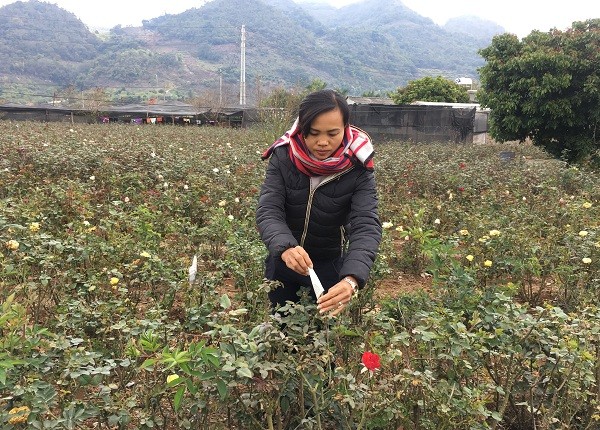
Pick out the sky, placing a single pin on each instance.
(516, 16)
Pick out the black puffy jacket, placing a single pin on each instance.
(342, 207)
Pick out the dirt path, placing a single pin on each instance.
(401, 283)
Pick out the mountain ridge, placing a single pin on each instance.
(373, 46)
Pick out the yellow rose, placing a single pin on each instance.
(587, 205)
(144, 254)
(19, 419)
(494, 233)
(586, 260)
(114, 281)
(20, 415)
(12, 244)
(488, 263)
(583, 233)
(470, 257)
(34, 226)
(464, 232)
(172, 377)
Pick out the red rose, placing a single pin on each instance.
(371, 360)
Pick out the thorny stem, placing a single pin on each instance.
(301, 400)
(591, 422)
(363, 416)
(250, 415)
(510, 378)
(313, 393)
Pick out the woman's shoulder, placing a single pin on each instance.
(280, 152)
(359, 170)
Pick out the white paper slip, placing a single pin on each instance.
(316, 283)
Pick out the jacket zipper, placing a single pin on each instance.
(309, 204)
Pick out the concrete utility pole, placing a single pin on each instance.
(243, 69)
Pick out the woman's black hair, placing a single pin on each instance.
(318, 102)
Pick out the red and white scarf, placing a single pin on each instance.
(356, 148)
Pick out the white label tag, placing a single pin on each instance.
(316, 283)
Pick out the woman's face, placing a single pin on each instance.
(326, 134)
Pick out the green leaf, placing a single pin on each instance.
(225, 301)
(244, 372)
(222, 388)
(208, 375)
(179, 397)
(213, 360)
(149, 363)
(496, 416)
(348, 332)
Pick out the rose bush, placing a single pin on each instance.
(100, 326)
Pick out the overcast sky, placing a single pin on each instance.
(516, 16)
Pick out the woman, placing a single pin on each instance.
(318, 205)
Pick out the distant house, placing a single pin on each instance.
(466, 82)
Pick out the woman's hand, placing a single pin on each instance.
(336, 299)
(297, 259)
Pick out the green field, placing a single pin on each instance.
(483, 303)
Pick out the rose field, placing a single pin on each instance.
(481, 311)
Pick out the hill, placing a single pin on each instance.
(474, 27)
(376, 45)
(42, 41)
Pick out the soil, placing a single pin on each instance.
(401, 283)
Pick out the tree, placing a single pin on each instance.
(315, 85)
(95, 99)
(428, 89)
(290, 100)
(280, 108)
(282, 99)
(546, 87)
(371, 93)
